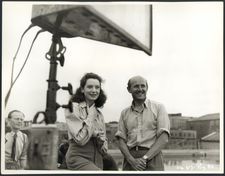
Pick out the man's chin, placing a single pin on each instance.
(140, 98)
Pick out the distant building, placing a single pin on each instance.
(210, 141)
(62, 129)
(205, 125)
(62, 126)
(111, 129)
(27, 123)
(177, 121)
(182, 139)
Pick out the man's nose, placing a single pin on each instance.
(140, 88)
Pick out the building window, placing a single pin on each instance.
(189, 134)
(217, 122)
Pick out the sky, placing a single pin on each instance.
(185, 71)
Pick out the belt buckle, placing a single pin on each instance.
(136, 148)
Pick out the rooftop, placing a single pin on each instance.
(214, 116)
(214, 136)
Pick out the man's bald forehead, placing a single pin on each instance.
(136, 78)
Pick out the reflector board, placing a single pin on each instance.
(125, 25)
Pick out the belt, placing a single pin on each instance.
(139, 148)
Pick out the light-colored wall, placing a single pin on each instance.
(209, 145)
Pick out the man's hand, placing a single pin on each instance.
(138, 164)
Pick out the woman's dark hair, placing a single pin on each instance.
(79, 96)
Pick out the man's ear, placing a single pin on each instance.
(128, 89)
(147, 85)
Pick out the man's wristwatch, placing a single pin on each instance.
(145, 157)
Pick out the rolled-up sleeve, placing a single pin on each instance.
(80, 130)
(163, 122)
(122, 131)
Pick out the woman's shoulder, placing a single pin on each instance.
(100, 114)
(75, 108)
(77, 105)
(99, 111)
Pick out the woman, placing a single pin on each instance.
(86, 127)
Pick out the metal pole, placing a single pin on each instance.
(51, 104)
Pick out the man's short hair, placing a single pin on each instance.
(11, 112)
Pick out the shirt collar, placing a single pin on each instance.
(145, 104)
(83, 104)
(13, 133)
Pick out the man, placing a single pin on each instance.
(16, 142)
(143, 130)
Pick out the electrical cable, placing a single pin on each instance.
(13, 82)
(42, 30)
(14, 58)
